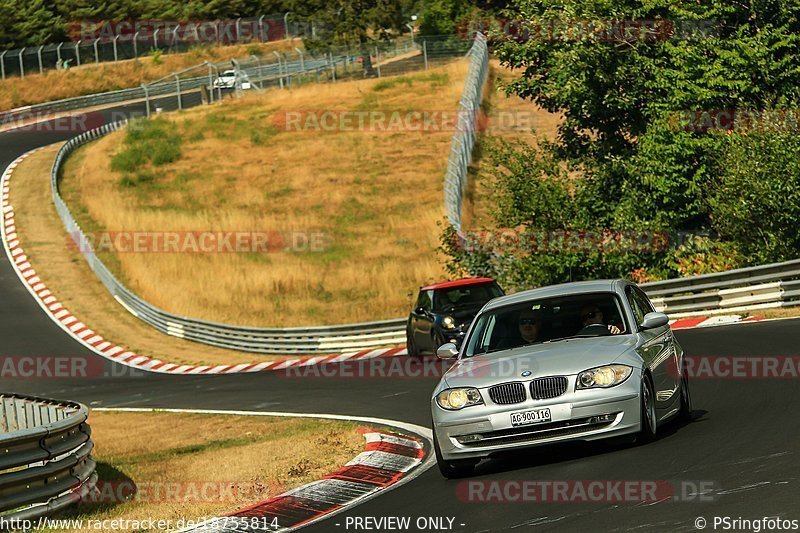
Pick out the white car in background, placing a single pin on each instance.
(227, 80)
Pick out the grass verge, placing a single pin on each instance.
(62, 268)
(191, 465)
(374, 196)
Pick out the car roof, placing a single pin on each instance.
(563, 289)
(457, 283)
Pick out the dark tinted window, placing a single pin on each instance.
(445, 300)
(424, 300)
(552, 318)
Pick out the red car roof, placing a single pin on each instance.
(457, 283)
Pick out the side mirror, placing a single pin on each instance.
(420, 311)
(447, 351)
(654, 320)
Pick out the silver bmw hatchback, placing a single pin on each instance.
(579, 361)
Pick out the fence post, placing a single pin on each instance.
(96, 52)
(302, 62)
(377, 61)
(155, 38)
(21, 64)
(425, 53)
(287, 34)
(78, 51)
(332, 67)
(261, 28)
(3, 64)
(116, 55)
(260, 74)
(39, 55)
(58, 52)
(210, 84)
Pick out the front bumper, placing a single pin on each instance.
(586, 415)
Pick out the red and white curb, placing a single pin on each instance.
(389, 459)
(705, 322)
(108, 349)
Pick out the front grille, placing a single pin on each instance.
(507, 393)
(544, 388)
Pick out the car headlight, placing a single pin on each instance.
(448, 322)
(455, 399)
(603, 377)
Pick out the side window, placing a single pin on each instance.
(644, 301)
(638, 312)
(424, 300)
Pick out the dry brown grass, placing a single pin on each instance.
(94, 78)
(261, 456)
(781, 312)
(377, 195)
(510, 118)
(67, 275)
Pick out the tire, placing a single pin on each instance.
(685, 413)
(649, 419)
(452, 469)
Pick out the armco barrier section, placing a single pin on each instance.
(47, 464)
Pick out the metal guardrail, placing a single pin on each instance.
(47, 464)
(455, 181)
(742, 289)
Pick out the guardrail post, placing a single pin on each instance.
(146, 100)
(280, 70)
(3, 64)
(116, 55)
(21, 64)
(178, 87)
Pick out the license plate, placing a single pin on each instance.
(525, 418)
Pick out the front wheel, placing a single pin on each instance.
(649, 419)
(452, 469)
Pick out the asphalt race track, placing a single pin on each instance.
(744, 440)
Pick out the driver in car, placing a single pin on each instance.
(592, 315)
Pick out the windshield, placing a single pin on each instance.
(446, 300)
(546, 320)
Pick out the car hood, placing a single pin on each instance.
(561, 358)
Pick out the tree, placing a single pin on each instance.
(350, 23)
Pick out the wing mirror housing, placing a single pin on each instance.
(654, 320)
(447, 351)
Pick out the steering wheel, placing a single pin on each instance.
(594, 330)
